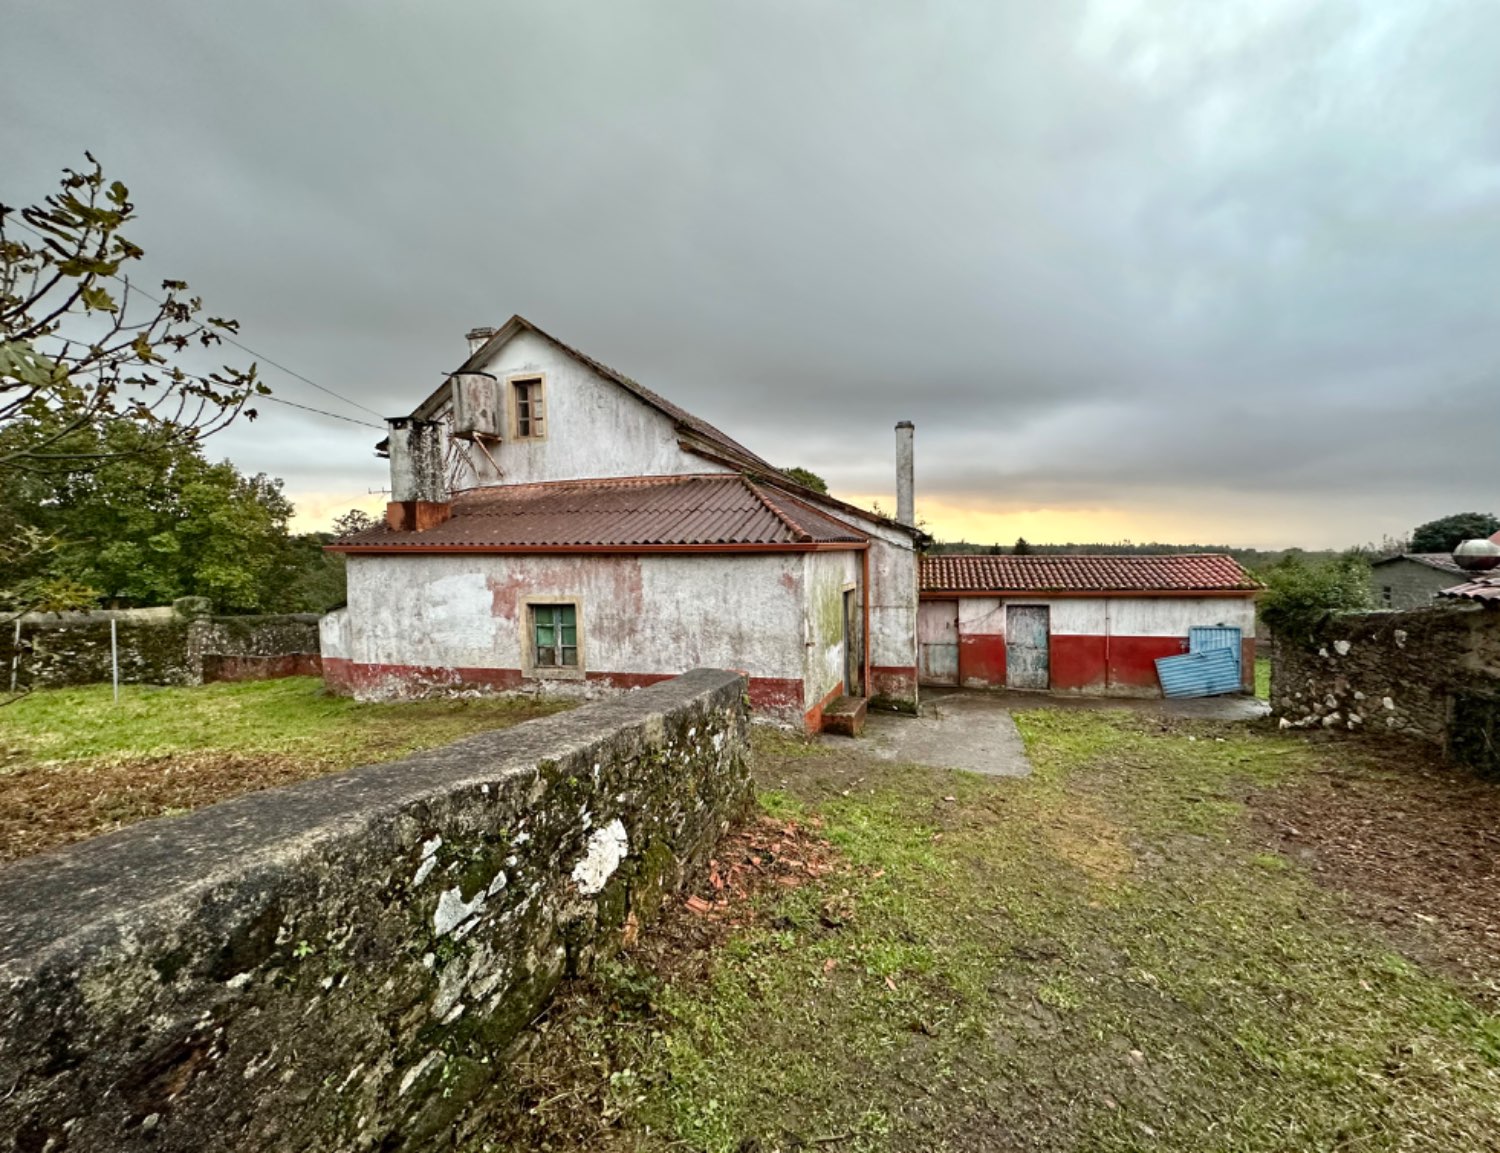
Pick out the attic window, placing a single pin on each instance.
(529, 408)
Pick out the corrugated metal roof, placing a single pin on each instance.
(1485, 590)
(1180, 572)
(702, 511)
(1439, 560)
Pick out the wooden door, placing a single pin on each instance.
(1027, 639)
(937, 642)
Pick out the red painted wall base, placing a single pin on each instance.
(1124, 666)
(780, 696)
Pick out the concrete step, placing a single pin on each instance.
(846, 716)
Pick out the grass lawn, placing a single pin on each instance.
(1165, 939)
(73, 763)
(1263, 678)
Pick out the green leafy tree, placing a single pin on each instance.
(1446, 533)
(1300, 596)
(351, 522)
(807, 479)
(1021, 548)
(151, 521)
(81, 348)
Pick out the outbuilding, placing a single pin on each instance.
(1092, 625)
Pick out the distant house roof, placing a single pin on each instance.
(712, 512)
(1437, 560)
(1183, 572)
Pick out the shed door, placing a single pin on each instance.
(1027, 629)
(937, 642)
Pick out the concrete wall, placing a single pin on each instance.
(420, 622)
(1432, 674)
(158, 646)
(594, 427)
(1408, 584)
(1099, 645)
(343, 964)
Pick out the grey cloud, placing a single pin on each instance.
(1127, 253)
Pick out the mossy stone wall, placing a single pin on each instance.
(1429, 674)
(344, 964)
(157, 647)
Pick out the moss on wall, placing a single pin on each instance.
(344, 964)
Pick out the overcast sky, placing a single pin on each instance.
(1219, 271)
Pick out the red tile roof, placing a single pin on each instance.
(698, 511)
(1181, 572)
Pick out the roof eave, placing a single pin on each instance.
(603, 549)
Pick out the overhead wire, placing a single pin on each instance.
(133, 287)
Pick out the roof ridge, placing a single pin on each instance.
(776, 510)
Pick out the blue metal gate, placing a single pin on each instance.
(1205, 674)
(1202, 638)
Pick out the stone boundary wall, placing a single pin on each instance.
(159, 646)
(342, 964)
(1422, 673)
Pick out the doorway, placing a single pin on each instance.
(854, 644)
(937, 642)
(1028, 631)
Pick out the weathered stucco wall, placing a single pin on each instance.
(1432, 674)
(1099, 645)
(594, 427)
(415, 623)
(158, 646)
(342, 964)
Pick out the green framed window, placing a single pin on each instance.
(554, 636)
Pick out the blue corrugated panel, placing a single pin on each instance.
(1202, 638)
(1205, 674)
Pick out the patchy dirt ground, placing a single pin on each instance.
(1412, 843)
(1128, 950)
(74, 763)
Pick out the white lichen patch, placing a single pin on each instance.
(430, 847)
(453, 911)
(424, 870)
(496, 885)
(426, 1063)
(606, 849)
(1341, 647)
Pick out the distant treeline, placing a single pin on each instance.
(1251, 558)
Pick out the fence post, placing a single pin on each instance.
(114, 658)
(15, 658)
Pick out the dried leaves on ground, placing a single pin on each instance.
(1414, 843)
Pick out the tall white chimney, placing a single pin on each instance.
(906, 511)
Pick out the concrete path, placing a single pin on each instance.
(969, 731)
(974, 731)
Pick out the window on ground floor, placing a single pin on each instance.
(554, 636)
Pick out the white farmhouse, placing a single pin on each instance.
(554, 524)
